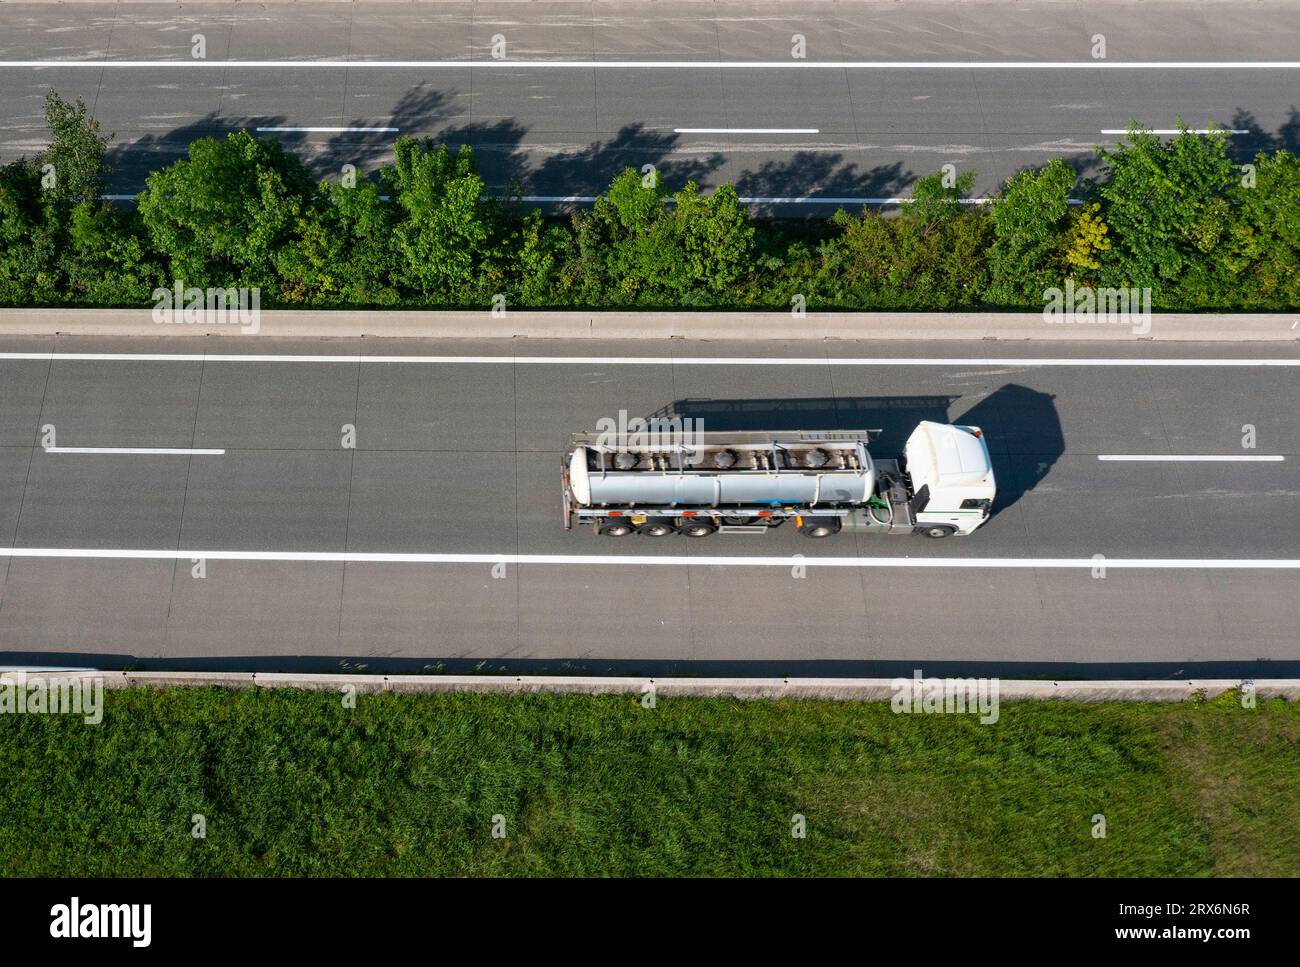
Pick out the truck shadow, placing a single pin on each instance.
(1025, 438)
(1023, 428)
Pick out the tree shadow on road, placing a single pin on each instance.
(1256, 139)
(132, 162)
(824, 174)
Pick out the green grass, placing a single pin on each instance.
(293, 783)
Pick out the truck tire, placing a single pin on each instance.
(696, 528)
(615, 528)
(820, 526)
(937, 531)
(656, 528)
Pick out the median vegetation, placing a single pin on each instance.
(278, 783)
(1176, 216)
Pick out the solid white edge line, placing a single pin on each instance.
(352, 358)
(1189, 458)
(361, 557)
(744, 200)
(588, 199)
(669, 64)
(813, 200)
(1177, 131)
(165, 451)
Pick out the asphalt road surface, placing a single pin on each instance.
(436, 541)
(796, 128)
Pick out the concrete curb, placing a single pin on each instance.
(420, 3)
(837, 689)
(876, 326)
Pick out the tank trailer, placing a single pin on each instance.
(699, 484)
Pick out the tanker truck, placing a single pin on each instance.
(655, 483)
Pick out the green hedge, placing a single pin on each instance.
(1177, 217)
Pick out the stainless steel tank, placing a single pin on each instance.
(595, 487)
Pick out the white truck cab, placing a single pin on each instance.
(952, 478)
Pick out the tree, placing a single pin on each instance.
(618, 257)
(1029, 218)
(1263, 244)
(714, 238)
(342, 250)
(108, 262)
(640, 245)
(220, 217)
(42, 198)
(443, 238)
(935, 203)
(541, 250)
(905, 262)
(77, 157)
(1086, 241)
(26, 271)
(1163, 204)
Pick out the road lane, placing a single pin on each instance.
(1037, 417)
(658, 621)
(566, 129)
(461, 459)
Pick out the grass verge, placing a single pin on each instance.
(294, 783)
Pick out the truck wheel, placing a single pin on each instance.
(937, 531)
(696, 528)
(615, 528)
(655, 528)
(820, 526)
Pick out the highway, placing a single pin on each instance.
(435, 540)
(882, 94)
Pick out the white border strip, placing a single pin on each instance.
(353, 359)
(1178, 131)
(658, 560)
(1188, 458)
(815, 200)
(330, 130)
(165, 451)
(548, 199)
(664, 64)
(842, 689)
(743, 199)
(747, 131)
